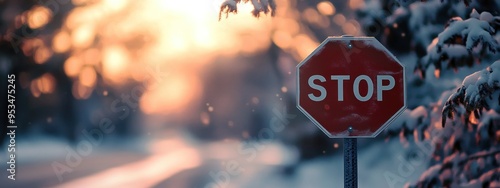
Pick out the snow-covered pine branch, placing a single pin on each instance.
(468, 154)
(410, 123)
(476, 93)
(407, 2)
(407, 25)
(264, 6)
(462, 42)
(458, 169)
(490, 178)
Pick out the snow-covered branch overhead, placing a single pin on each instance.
(475, 93)
(463, 42)
(264, 6)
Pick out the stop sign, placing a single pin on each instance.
(351, 87)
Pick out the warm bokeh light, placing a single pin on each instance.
(72, 66)
(284, 89)
(88, 77)
(115, 60)
(308, 45)
(351, 28)
(339, 19)
(30, 45)
(204, 118)
(326, 8)
(79, 2)
(83, 36)
(61, 42)
(42, 54)
(80, 91)
(172, 95)
(92, 56)
(38, 17)
(282, 39)
(36, 47)
(45, 84)
(356, 4)
(295, 37)
(121, 39)
(437, 73)
(312, 16)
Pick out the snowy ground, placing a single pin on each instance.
(373, 162)
(180, 161)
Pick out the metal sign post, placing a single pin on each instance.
(350, 163)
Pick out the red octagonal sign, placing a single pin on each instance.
(351, 87)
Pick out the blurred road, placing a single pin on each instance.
(180, 161)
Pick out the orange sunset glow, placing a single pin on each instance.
(120, 40)
(117, 39)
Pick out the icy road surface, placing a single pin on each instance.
(180, 161)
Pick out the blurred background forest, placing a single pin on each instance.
(198, 98)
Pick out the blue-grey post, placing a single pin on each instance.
(350, 163)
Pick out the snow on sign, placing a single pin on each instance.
(351, 87)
